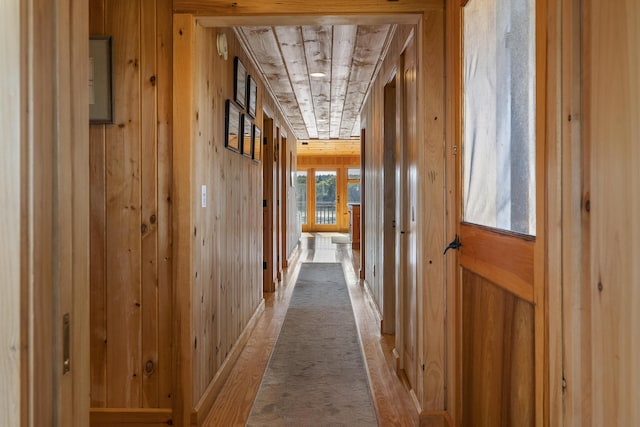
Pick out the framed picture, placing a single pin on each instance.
(257, 144)
(252, 95)
(100, 80)
(233, 121)
(240, 82)
(246, 137)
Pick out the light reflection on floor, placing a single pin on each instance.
(321, 248)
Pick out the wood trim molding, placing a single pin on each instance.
(182, 215)
(204, 405)
(125, 416)
(506, 259)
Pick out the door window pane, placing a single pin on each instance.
(353, 192)
(301, 196)
(499, 114)
(326, 197)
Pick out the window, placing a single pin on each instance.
(353, 186)
(301, 196)
(499, 114)
(326, 197)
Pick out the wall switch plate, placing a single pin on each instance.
(204, 196)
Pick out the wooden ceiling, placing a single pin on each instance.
(319, 74)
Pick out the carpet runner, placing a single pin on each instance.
(316, 375)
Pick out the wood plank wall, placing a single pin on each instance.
(12, 176)
(610, 209)
(227, 234)
(373, 118)
(430, 210)
(131, 164)
(43, 212)
(293, 229)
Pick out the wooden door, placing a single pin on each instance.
(390, 204)
(499, 206)
(409, 198)
(277, 178)
(268, 206)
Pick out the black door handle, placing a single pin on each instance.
(455, 244)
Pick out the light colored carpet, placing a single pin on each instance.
(316, 375)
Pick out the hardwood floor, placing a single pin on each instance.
(393, 404)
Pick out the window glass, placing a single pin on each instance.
(353, 173)
(499, 114)
(301, 196)
(326, 197)
(353, 192)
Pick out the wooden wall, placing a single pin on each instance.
(429, 212)
(603, 305)
(11, 177)
(293, 229)
(131, 259)
(227, 234)
(373, 154)
(43, 212)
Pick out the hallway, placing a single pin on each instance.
(392, 401)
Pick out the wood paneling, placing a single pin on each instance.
(44, 218)
(498, 356)
(130, 164)
(348, 147)
(611, 131)
(507, 259)
(301, 7)
(181, 214)
(294, 228)
(425, 206)
(12, 177)
(226, 269)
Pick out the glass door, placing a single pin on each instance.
(326, 198)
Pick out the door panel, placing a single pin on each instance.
(408, 218)
(502, 337)
(498, 355)
(326, 198)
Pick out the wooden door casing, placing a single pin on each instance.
(501, 285)
(409, 194)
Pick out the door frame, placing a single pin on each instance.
(531, 251)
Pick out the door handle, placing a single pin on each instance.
(455, 244)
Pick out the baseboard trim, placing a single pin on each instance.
(204, 405)
(435, 419)
(134, 417)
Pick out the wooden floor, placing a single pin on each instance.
(393, 404)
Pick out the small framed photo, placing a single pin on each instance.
(233, 121)
(240, 82)
(252, 95)
(246, 137)
(100, 80)
(257, 144)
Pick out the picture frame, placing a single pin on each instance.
(101, 80)
(233, 123)
(247, 149)
(257, 144)
(240, 82)
(252, 96)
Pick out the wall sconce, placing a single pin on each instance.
(223, 49)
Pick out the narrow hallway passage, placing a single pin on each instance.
(392, 402)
